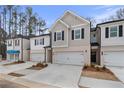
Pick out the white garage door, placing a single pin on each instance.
(114, 58)
(74, 58)
(37, 57)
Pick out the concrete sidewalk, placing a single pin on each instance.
(99, 83)
(118, 71)
(25, 82)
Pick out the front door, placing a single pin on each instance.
(93, 57)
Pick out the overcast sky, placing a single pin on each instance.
(51, 13)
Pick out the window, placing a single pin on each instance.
(36, 42)
(42, 41)
(17, 42)
(58, 35)
(10, 43)
(94, 35)
(113, 31)
(77, 33)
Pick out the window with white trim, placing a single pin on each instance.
(42, 41)
(9, 42)
(59, 35)
(113, 31)
(36, 42)
(77, 34)
(17, 42)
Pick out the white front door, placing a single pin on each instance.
(114, 58)
(74, 58)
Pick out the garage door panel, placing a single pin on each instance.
(114, 58)
(37, 57)
(75, 58)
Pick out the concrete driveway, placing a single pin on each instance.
(16, 67)
(57, 75)
(118, 71)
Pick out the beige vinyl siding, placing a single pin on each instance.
(60, 27)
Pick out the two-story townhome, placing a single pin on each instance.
(95, 46)
(112, 43)
(17, 48)
(71, 40)
(40, 49)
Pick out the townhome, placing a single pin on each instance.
(40, 49)
(112, 43)
(95, 46)
(71, 40)
(17, 48)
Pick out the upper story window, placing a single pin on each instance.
(39, 42)
(36, 42)
(113, 31)
(9, 43)
(77, 34)
(17, 42)
(59, 35)
(42, 41)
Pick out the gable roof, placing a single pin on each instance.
(48, 34)
(59, 20)
(18, 36)
(68, 11)
(110, 22)
(73, 13)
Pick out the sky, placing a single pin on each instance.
(50, 13)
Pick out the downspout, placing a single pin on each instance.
(90, 44)
(51, 48)
(22, 49)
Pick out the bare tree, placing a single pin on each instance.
(92, 20)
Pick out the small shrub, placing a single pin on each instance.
(104, 68)
(97, 68)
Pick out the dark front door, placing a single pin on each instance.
(93, 57)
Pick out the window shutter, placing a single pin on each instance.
(62, 35)
(35, 42)
(120, 30)
(106, 32)
(82, 33)
(54, 36)
(72, 34)
(43, 41)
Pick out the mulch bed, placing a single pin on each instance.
(16, 74)
(99, 73)
(13, 63)
(38, 66)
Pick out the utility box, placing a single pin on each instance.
(0, 57)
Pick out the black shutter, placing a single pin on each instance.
(82, 33)
(54, 36)
(43, 41)
(62, 35)
(35, 42)
(106, 32)
(120, 30)
(72, 34)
